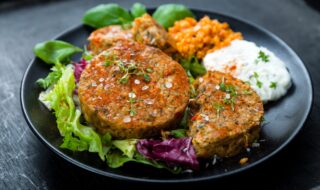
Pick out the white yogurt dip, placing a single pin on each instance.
(257, 66)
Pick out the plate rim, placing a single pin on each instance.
(189, 180)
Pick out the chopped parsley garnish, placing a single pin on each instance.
(259, 84)
(273, 85)
(107, 63)
(262, 57)
(149, 70)
(146, 77)
(231, 100)
(132, 100)
(218, 107)
(246, 92)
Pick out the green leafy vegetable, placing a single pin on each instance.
(185, 118)
(55, 51)
(76, 136)
(124, 151)
(53, 77)
(138, 9)
(179, 133)
(105, 15)
(193, 66)
(168, 14)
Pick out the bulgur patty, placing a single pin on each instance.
(133, 91)
(104, 38)
(226, 115)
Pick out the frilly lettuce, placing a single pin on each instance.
(76, 136)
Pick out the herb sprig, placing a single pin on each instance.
(262, 57)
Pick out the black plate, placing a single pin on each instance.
(285, 117)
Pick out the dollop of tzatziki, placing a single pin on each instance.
(257, 66)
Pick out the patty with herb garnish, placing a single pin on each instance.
(226, 116)
(133, 91)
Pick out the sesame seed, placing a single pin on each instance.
(132, 95)
(168, 84)
(200, 79)
(127, 119)
(217, 87)
(154, 113)
(145, 87)
(205, 117)
(136, 81)
(255, 145)
(101, 79)
(93, 84)
(214, 160)
(148, 101)
(228, 96)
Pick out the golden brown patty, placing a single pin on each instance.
(133, 91)
(104, 38)
(226, 115)
(145, 30)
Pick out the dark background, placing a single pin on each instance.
(25, 163)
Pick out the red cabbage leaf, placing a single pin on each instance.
(172, 151)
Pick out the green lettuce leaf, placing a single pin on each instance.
(55, 51)
(76, 137)
(52, 78)
(138, 9)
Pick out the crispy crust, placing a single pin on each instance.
(105, 101)
(215, 126)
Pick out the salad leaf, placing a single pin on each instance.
(124, 151)
(76, 136)
(105, 15)
(126, 146)
(78, 68)
(168, 14)
(55, 51)
(52, 78)
(179, 133)
(138, 9)
(193, 67)
(172, 151)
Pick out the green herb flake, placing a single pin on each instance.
(255, 75)
(124, 79)
(149, 70)
(263, 56)
(259, 84)
(219, 108)
(107, 63)
(230, 101)
(273, 85)
(247, 92)
(146, 77)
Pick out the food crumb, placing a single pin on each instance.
(243, 160)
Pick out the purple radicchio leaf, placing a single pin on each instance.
(172, 151)
(78, 68)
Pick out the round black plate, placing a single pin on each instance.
(284, 117)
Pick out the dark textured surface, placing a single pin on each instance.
(27, 164)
